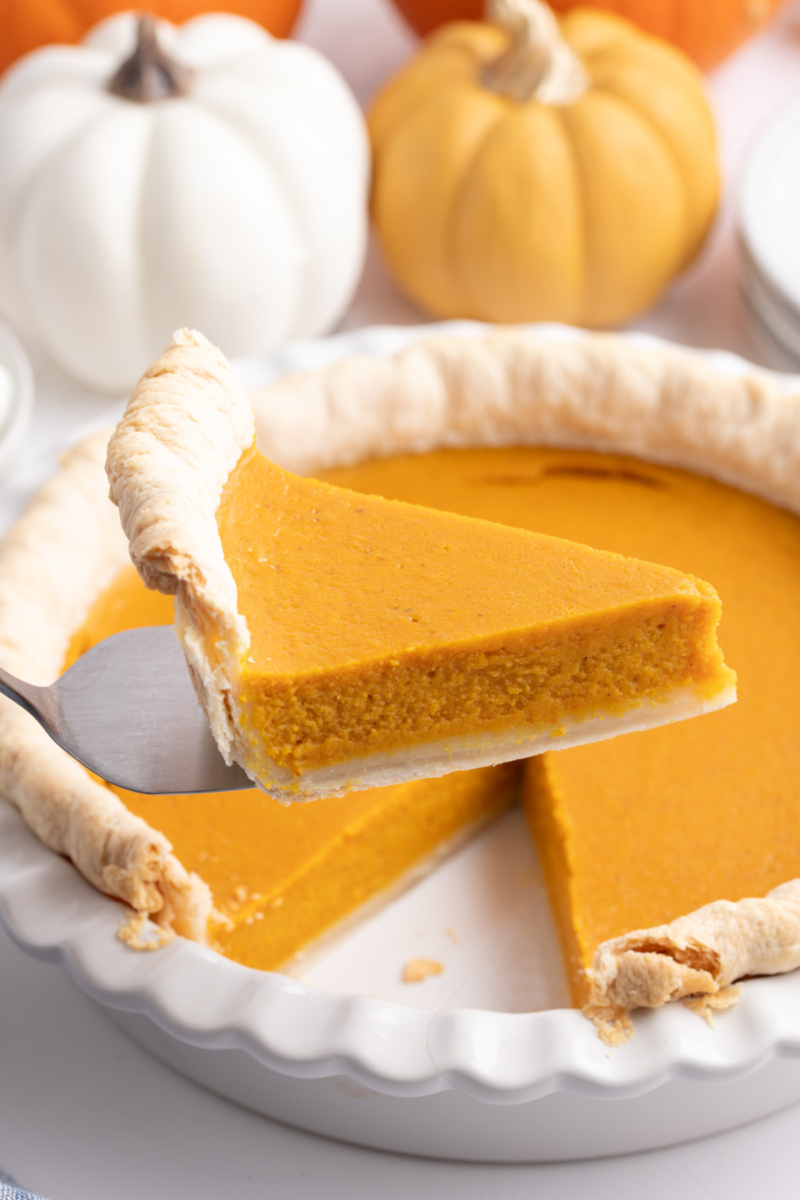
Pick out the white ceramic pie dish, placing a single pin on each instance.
(452, 1081)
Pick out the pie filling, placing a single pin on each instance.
(632, 832)
(635, 832)
(417, 630)
(283, 878)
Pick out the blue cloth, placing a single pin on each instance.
(7, 1192)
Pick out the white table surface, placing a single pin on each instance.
(84, 1113)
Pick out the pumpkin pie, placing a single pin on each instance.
(344, 641)
(489, 399)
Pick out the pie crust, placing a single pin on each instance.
(53, 562)
(699, 955)
(594, 392)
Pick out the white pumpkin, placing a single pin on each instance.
(238, 207)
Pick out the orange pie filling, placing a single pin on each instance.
(378, 626)
(635, 832)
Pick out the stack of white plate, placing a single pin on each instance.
(769, 225)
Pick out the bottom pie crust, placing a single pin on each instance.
(433, 759)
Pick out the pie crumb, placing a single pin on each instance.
(133, 934)
(418, 969)
(613, 1030)
(706, 1006)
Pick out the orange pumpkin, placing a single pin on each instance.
(706, 30)
(27, 24)
(531, 170)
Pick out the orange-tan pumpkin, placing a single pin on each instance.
(528, 171)
(706, 30)
(27, 24)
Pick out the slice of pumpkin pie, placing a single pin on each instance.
(342, 641)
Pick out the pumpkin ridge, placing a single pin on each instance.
(660, 136)
(245, 135)
(437, 112)
(451, 253)
(437, 87)
(684, 75)
(660, 56)
(15, 220)
(469, 37)
(611, 26)
(664, 246)
(146, 282)
(49, 162)
(563, 118)
(437, 91)
(580, 175)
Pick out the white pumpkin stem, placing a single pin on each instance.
(150, 73)
(538, 64)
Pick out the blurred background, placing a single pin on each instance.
(247, 210)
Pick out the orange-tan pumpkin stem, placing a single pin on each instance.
(538, 64)
(150, 73)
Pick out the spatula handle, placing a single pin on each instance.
(38, 701)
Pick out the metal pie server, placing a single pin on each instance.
(127, 710)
